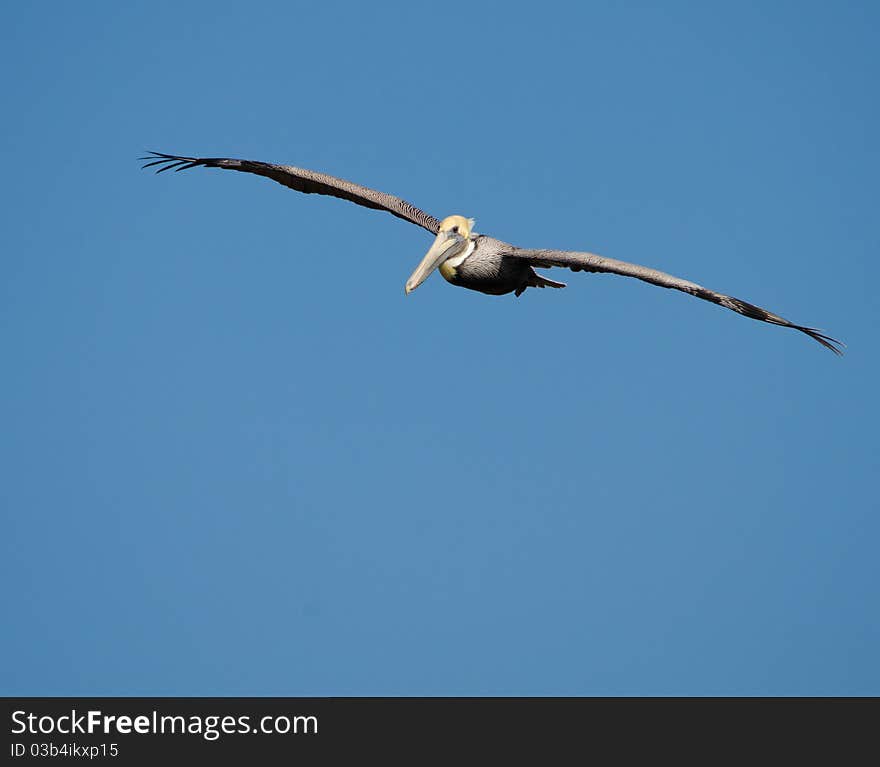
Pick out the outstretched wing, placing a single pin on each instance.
(306, 181)
(589, 262)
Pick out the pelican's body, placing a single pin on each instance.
(472, 260)
(485, 268)
(491, 267)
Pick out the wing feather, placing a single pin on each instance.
(305, 181)
(590, 262)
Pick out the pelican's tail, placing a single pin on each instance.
(538, 281)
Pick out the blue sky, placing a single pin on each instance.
(239, 461)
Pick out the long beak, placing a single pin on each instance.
(445, 246)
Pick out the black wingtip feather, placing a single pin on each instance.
(827, 341)
(169, 161)
(171, 164)
(757, 313)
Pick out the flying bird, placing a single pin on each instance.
(473, 260)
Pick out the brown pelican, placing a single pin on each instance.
(474, 260)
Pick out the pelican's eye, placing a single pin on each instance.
(454, 229)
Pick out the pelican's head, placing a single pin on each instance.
(453, 240)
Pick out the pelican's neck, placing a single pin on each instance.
(448, 267)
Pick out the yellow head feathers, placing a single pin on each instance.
(459, 224)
